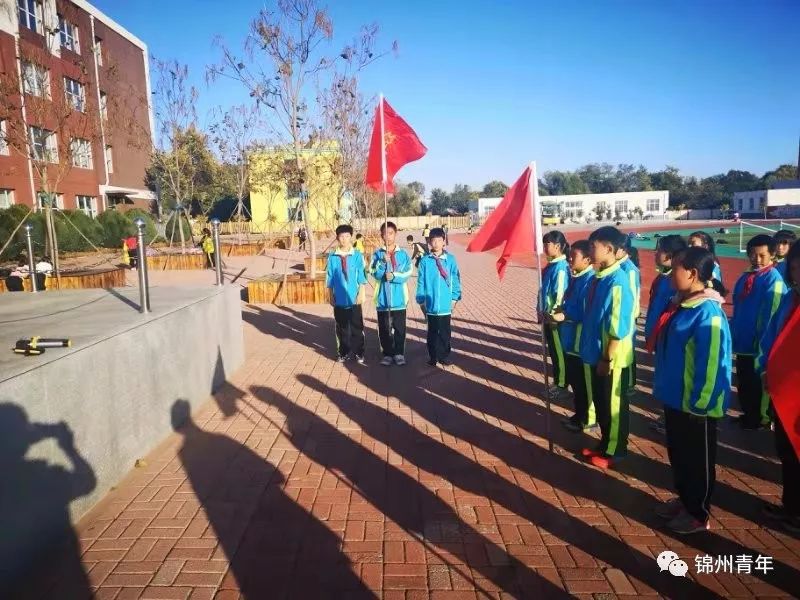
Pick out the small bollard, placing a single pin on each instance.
(217, 250)
(31, 260)
(144, 283)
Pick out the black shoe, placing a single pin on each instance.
(432, 362)
(446, 362)
(360, 360)
(572, 426)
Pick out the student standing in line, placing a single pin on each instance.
(391, 267)
(345, 278)
(571, 316)
(606, 345)
(555, 278)
(788, 513)
(700, 239)
(783, 241)
(438, 291)
(630, 265)
(756, 298)
(692, 380)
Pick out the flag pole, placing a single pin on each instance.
(383, 165)
(537, 232)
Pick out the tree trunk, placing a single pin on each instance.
(178, 218)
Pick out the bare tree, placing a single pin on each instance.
(174, 165)
(284, 55)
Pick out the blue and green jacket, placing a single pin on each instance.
(717, 273)
(661, 292)
(635, 280)
(697, 343)
(574, 299)
(435, 291)
(608, 313)
(753, 309)
(774, 327)
(391, 295)
(780, 266)
(345, 284)
(555, 278)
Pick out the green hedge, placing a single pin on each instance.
(172, 232)
(107, 230)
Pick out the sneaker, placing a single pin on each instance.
(386, 361)
(572, 426)
(589, 452)
(603, 461)
(400, 360)
(341, 359)
(446, 362)
(360, 360)
(432, 362)
(559, 393)
(670, 509)
(685, 524)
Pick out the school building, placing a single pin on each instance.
(626, 205)
(781, 202)
(76, 108)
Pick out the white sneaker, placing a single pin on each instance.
(399, 360)
(386, 361)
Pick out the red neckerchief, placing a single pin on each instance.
(343, 258)
(392, 258)
(664, 319)
(440, 266)
(751, 280)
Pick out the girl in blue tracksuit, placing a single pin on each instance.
(700, 239)
(756, 297)
(662, 290)
(345, 278)
(555, 278)
(692, 380)
(788, 514)
(571, 316)
(391, 267)
(783, 241)
(438, 289)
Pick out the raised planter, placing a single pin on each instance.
(300, 289)
(176, 262)
(80, 280)
(246, 249)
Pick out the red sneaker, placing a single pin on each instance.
(604, 462)
(588, 452)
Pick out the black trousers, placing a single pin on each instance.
(790, 470)
(692, 451)
(556, 351)
(578, 375)
(610, 398)
(392, 331)
(753, 399)
(438, 337)
(349, 330)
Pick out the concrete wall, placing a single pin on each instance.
(113, 392)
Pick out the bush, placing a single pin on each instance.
(116, 227)
(172, 232)
(9, 219)
(150, 231)
(69, 240)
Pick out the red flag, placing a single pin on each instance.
(510, 223)
(783, 378)
(393, 145)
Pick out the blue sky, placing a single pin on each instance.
(490, 86)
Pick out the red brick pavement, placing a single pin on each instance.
(303, 478)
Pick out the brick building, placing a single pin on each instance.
(75, 113)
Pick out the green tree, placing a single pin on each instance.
(633, 179)
(460, 198)
(494, 189)
(418, 188)
(440, 201)
(782, 173)
(404, 202)
(600, 178)
(561, 183)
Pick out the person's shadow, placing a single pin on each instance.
(35, 526)
(275, 548)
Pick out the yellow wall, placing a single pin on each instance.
(269, 199)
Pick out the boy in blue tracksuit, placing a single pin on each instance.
(391, 267)
(783, 241)
(345, 278)
(438, 290)
(693, 363)
(570, 315)
(606, 346)
(788, 513)
(555, 278)
(756, 297)
(625, 256)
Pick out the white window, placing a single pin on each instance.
(87, 205)
(3, 136)
(69, 35)
(621, 206)
(76, 94)
(45, 198)
(35, 80)
(81, 151)
(30, 14)
(109, 159)
(98, 50)
(43, 144)
(6, 198)
(653, 205)
(104, 106)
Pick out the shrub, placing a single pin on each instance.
(172, 231)
(68, 226)
(116, 227)
(150, 231)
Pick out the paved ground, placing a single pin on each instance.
(307, 479)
